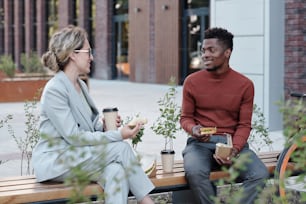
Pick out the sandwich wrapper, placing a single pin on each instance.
(147, 162)
(224, 150)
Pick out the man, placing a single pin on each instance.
(220, 97)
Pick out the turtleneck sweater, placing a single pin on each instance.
(222, 100)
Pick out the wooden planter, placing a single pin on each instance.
(22, 87)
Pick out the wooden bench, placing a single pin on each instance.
(25, 189)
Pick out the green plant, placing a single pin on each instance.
(294, 118)
(294, 114)
(167, 123)
(2, 123)
(7, 65)
(27, 143)
(5, 120)
(31, 63)
(232, 192)
(259, 136)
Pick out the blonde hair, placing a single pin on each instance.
(61, 44)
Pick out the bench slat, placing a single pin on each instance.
(31, 185)
(12, 178)
(16, 182)
(43, 194)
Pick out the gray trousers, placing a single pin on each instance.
(199, 161)
(115, 167)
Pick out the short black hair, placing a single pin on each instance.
(225, 37)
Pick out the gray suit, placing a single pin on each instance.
(63, 117)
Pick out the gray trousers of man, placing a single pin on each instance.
(199, 161)
(115, 167)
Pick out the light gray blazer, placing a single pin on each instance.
(63, 117)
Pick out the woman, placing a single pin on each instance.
(72, 129)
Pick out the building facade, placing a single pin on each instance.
(149, 41)
(128, 36)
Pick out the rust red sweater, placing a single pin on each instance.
(223, 101)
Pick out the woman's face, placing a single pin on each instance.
(84, 58)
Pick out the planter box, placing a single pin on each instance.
(22, 87)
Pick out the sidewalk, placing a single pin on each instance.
(130, 98)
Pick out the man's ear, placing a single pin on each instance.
(228, 53)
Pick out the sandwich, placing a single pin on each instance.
(137, 120)
(208, 130)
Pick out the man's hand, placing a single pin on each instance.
(228, 160)
(196, 133)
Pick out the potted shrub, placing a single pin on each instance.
(167, 125)
(17, 86)
(147, 161)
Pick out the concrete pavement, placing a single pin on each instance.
(130, 98)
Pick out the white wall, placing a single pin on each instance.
(258, 28)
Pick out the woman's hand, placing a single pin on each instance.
(118, 122)
(127, 132)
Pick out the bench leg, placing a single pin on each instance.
(183, 197)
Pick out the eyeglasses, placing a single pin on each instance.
(89, 51)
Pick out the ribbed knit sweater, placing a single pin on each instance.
(224, 101)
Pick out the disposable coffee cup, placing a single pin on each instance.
(110, 116)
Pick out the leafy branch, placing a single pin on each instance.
(260, 133)
(167, 124)
(26, 144)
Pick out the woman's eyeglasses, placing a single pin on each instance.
(89, 51)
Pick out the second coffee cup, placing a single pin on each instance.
(110, 116)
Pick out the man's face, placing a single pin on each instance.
(214, 55)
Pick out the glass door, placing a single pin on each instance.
(195, 22)
(121, 70)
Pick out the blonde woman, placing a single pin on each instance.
(68, 112)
